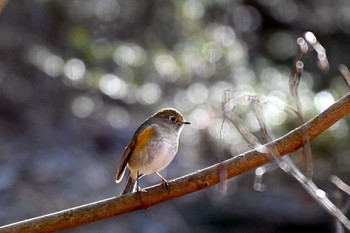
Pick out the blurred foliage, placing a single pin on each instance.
(78, 76)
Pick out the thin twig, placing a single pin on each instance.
(345, 72)
(340, 184)
(288, 166)
(222, 187)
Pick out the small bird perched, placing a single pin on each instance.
(152, 148)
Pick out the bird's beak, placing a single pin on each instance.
(185, 122)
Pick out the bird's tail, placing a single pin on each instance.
(130, 186)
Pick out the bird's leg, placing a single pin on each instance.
(137, 182)
(164, 182)
(138, 189)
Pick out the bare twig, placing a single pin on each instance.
(322, 60)
(222, 185)
(285, 163)
(184, 185)
(340, 184)
(345, 72)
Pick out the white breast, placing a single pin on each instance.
(154, 157)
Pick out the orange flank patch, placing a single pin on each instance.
(143, 138)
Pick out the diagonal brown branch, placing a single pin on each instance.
(184, 185)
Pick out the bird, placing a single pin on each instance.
(152, 148)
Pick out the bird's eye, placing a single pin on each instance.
(172, 119)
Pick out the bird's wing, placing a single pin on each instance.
(121, 168)
(141, 137)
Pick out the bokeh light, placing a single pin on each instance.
(197, 93)
(82, 106)
(166, 66)
(274, 116)
(323, 100)
(130, 55)
(212, 51)
(193, 10)
(53, 66)
(200, 118)
(279, 78)
(113, 86)
(222, 34)
(149, 93)
(181, 101)
(46, 61)
(237, 55)
(74, 69)
(107, 10)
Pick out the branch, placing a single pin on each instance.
(187, 184)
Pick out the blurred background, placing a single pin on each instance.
(77, 77)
